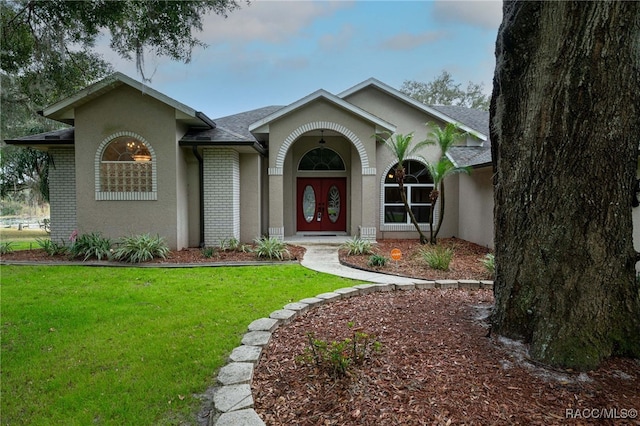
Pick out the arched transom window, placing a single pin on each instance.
(321, 159)
(418, 184)
(126, 169)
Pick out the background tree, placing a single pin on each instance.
(402, 148)
(444, 137)
(565, 120)
(444, 91)
(46, 55)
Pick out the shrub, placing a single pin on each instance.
(50, 247)
(208, 252)
(271, 248)
(356, 246)
(488, 261)
(336, 357)
(5, 247)
(437, 257)
(233, 244)
(377, 260)
(91, 245)
(141, 248)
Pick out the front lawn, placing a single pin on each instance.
(84, 345)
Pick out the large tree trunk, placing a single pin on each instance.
(565, 118)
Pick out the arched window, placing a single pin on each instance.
(321, 159)
(126, 169)
(418, 184)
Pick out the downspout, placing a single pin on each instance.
(194, 148)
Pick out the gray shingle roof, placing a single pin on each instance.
(232, 128)
(55, 137)
(472, 156)
(474, 118)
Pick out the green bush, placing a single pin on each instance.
(208, 252)
(489, 262)
(357, 246)
(437, 257)
(140, 248)
(336, 357)
(92, 245)
(233, 244)
(5, 247)
(50, 247)
(377, 260)
(271, 248)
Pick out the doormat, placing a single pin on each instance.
(320, 235)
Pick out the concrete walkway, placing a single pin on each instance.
(324, 258)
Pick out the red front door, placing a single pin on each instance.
(321, 204)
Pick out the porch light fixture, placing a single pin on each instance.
(322, 141)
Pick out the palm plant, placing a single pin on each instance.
(402, 148)
(444, 137)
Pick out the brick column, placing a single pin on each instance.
(62, 194)
(221, 195)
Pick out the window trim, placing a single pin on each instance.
(125, 196)
(408, 226)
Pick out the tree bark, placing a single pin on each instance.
(565, 126)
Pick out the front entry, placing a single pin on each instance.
(321, 204)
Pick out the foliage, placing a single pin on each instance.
(37, 34)
(438, 257)
(443, 90)
(140, 248)
(336, 357)
(488, 261)
(271, 248)
(356, 246)
(208, 252)
(233, 244)
(51, 247)
(444, 137)
(377, 260)
(402, 148)
(6, 247)
(92, 245)
(129, 346)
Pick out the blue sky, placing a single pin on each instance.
(276, 52)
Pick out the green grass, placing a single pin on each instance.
(109, 346)
(22, 240)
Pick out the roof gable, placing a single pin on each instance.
(434, 111)
(262, 126)
(64, 110)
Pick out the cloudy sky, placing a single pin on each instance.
(276, 52)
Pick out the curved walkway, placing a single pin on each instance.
(233, 401)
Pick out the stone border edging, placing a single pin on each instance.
(233, 401)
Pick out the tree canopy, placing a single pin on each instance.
(443, 90)
(47, 53)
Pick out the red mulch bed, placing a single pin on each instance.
(184, 256)
(464, 265)
(436, 367)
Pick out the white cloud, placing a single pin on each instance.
(481, 13)
(272, 21)
(406, 41)
(338, 41)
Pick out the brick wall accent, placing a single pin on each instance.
(62, 194)
(221, 195)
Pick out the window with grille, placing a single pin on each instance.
(418, 185)
(126, 170)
